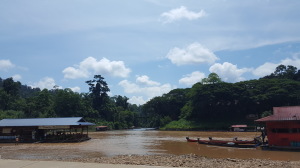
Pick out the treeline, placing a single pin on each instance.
(208, 104)
(21, 101)
(214, 104)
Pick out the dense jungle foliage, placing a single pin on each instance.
(209, 104)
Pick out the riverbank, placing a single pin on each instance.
(190, 160)
(152, 148)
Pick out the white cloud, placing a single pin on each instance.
(265, 69)
(295, 61)
(73, 73)
(180, 13)
(229, 72)
(130, 87)
(147, 92)
(5, 65)
(91, 66)
(45, 83)
(138, 100)
(268, 68)
(75, 89)
(144, 80)
(194, 54)
(192, 78)
(17, 77)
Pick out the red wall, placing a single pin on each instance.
(284, 133)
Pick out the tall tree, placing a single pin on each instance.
(98, 91)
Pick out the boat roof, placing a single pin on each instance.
(27, 122)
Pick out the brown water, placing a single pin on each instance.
(141, 142)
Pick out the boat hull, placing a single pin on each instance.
(228, 144)
(191, 140)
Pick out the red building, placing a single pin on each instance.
(283, 127)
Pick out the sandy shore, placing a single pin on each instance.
(165, 160)
(190, 160)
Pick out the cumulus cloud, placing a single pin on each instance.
(90, 66)
(6, 65)
(179, 14)
(144, 80)
(73, 73)
(45, 83)
(268, 68)
(265, 69)
(229, 72)
(139, 100)
(193, 54)
(192, 78)
(75, 89)
(17, 77)
(145, 92)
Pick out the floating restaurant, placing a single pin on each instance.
(283, 128)
(72, 129)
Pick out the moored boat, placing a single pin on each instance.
(191, 140)
(233, 143)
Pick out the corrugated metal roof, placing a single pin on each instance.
(43, 122)
(291, 113)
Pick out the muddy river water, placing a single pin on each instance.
(142, 142)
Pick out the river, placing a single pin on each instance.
(173, 142)
(143, 142)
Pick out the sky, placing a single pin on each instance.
(145, 48)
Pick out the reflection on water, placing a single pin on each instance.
(143, 142)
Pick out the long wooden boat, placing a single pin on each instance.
(191, 140)
(235, 143)
(222, 141)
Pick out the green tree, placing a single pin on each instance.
(211, 79)
(10, 87)
(284, 72)
(9, 93)
(98, 91)
(69, 104)
(40, 105)
(121, 101)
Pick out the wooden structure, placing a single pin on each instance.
(101, 128)
(238, 128)
(283, 127)
(72, 129)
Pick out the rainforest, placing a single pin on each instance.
(210, 104)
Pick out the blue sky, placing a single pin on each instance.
(145, 48)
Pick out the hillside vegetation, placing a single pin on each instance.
(208, 104)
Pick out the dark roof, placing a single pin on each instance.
(43, 122)
(291, 113)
